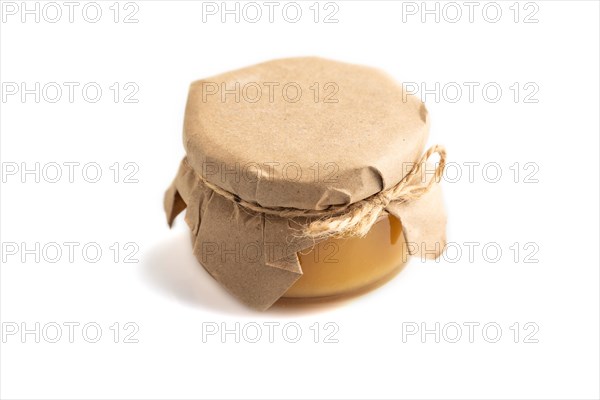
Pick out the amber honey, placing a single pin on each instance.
(337, 267)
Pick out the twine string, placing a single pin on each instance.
(355, 219)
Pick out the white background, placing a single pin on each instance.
(169, 297)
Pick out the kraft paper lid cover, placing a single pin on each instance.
(300, 133)
(303, 132)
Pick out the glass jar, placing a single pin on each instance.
(268, 173)
(339, 267)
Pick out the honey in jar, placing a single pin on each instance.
(337, 267)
